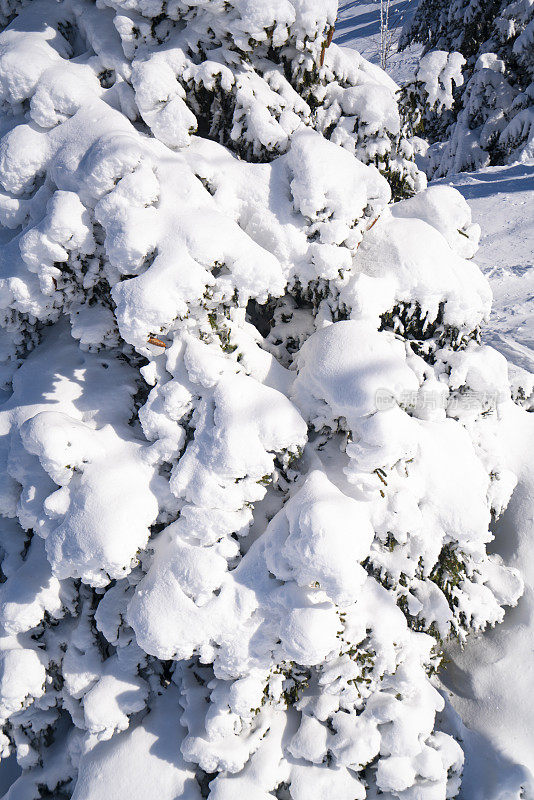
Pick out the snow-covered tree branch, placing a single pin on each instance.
(251, 441)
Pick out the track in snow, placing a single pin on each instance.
(502, 201)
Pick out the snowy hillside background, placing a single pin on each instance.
(491, 683)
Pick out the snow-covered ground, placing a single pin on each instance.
(490, 683)
(502, 201)
(358, 26)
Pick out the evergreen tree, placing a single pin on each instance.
(251, 440)
(490, 116)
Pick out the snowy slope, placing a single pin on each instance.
(358, 26)
(502, 202)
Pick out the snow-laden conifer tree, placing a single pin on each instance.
(251, 440)
(474, 89)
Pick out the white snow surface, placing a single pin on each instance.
(502, 200)
(147, 757)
